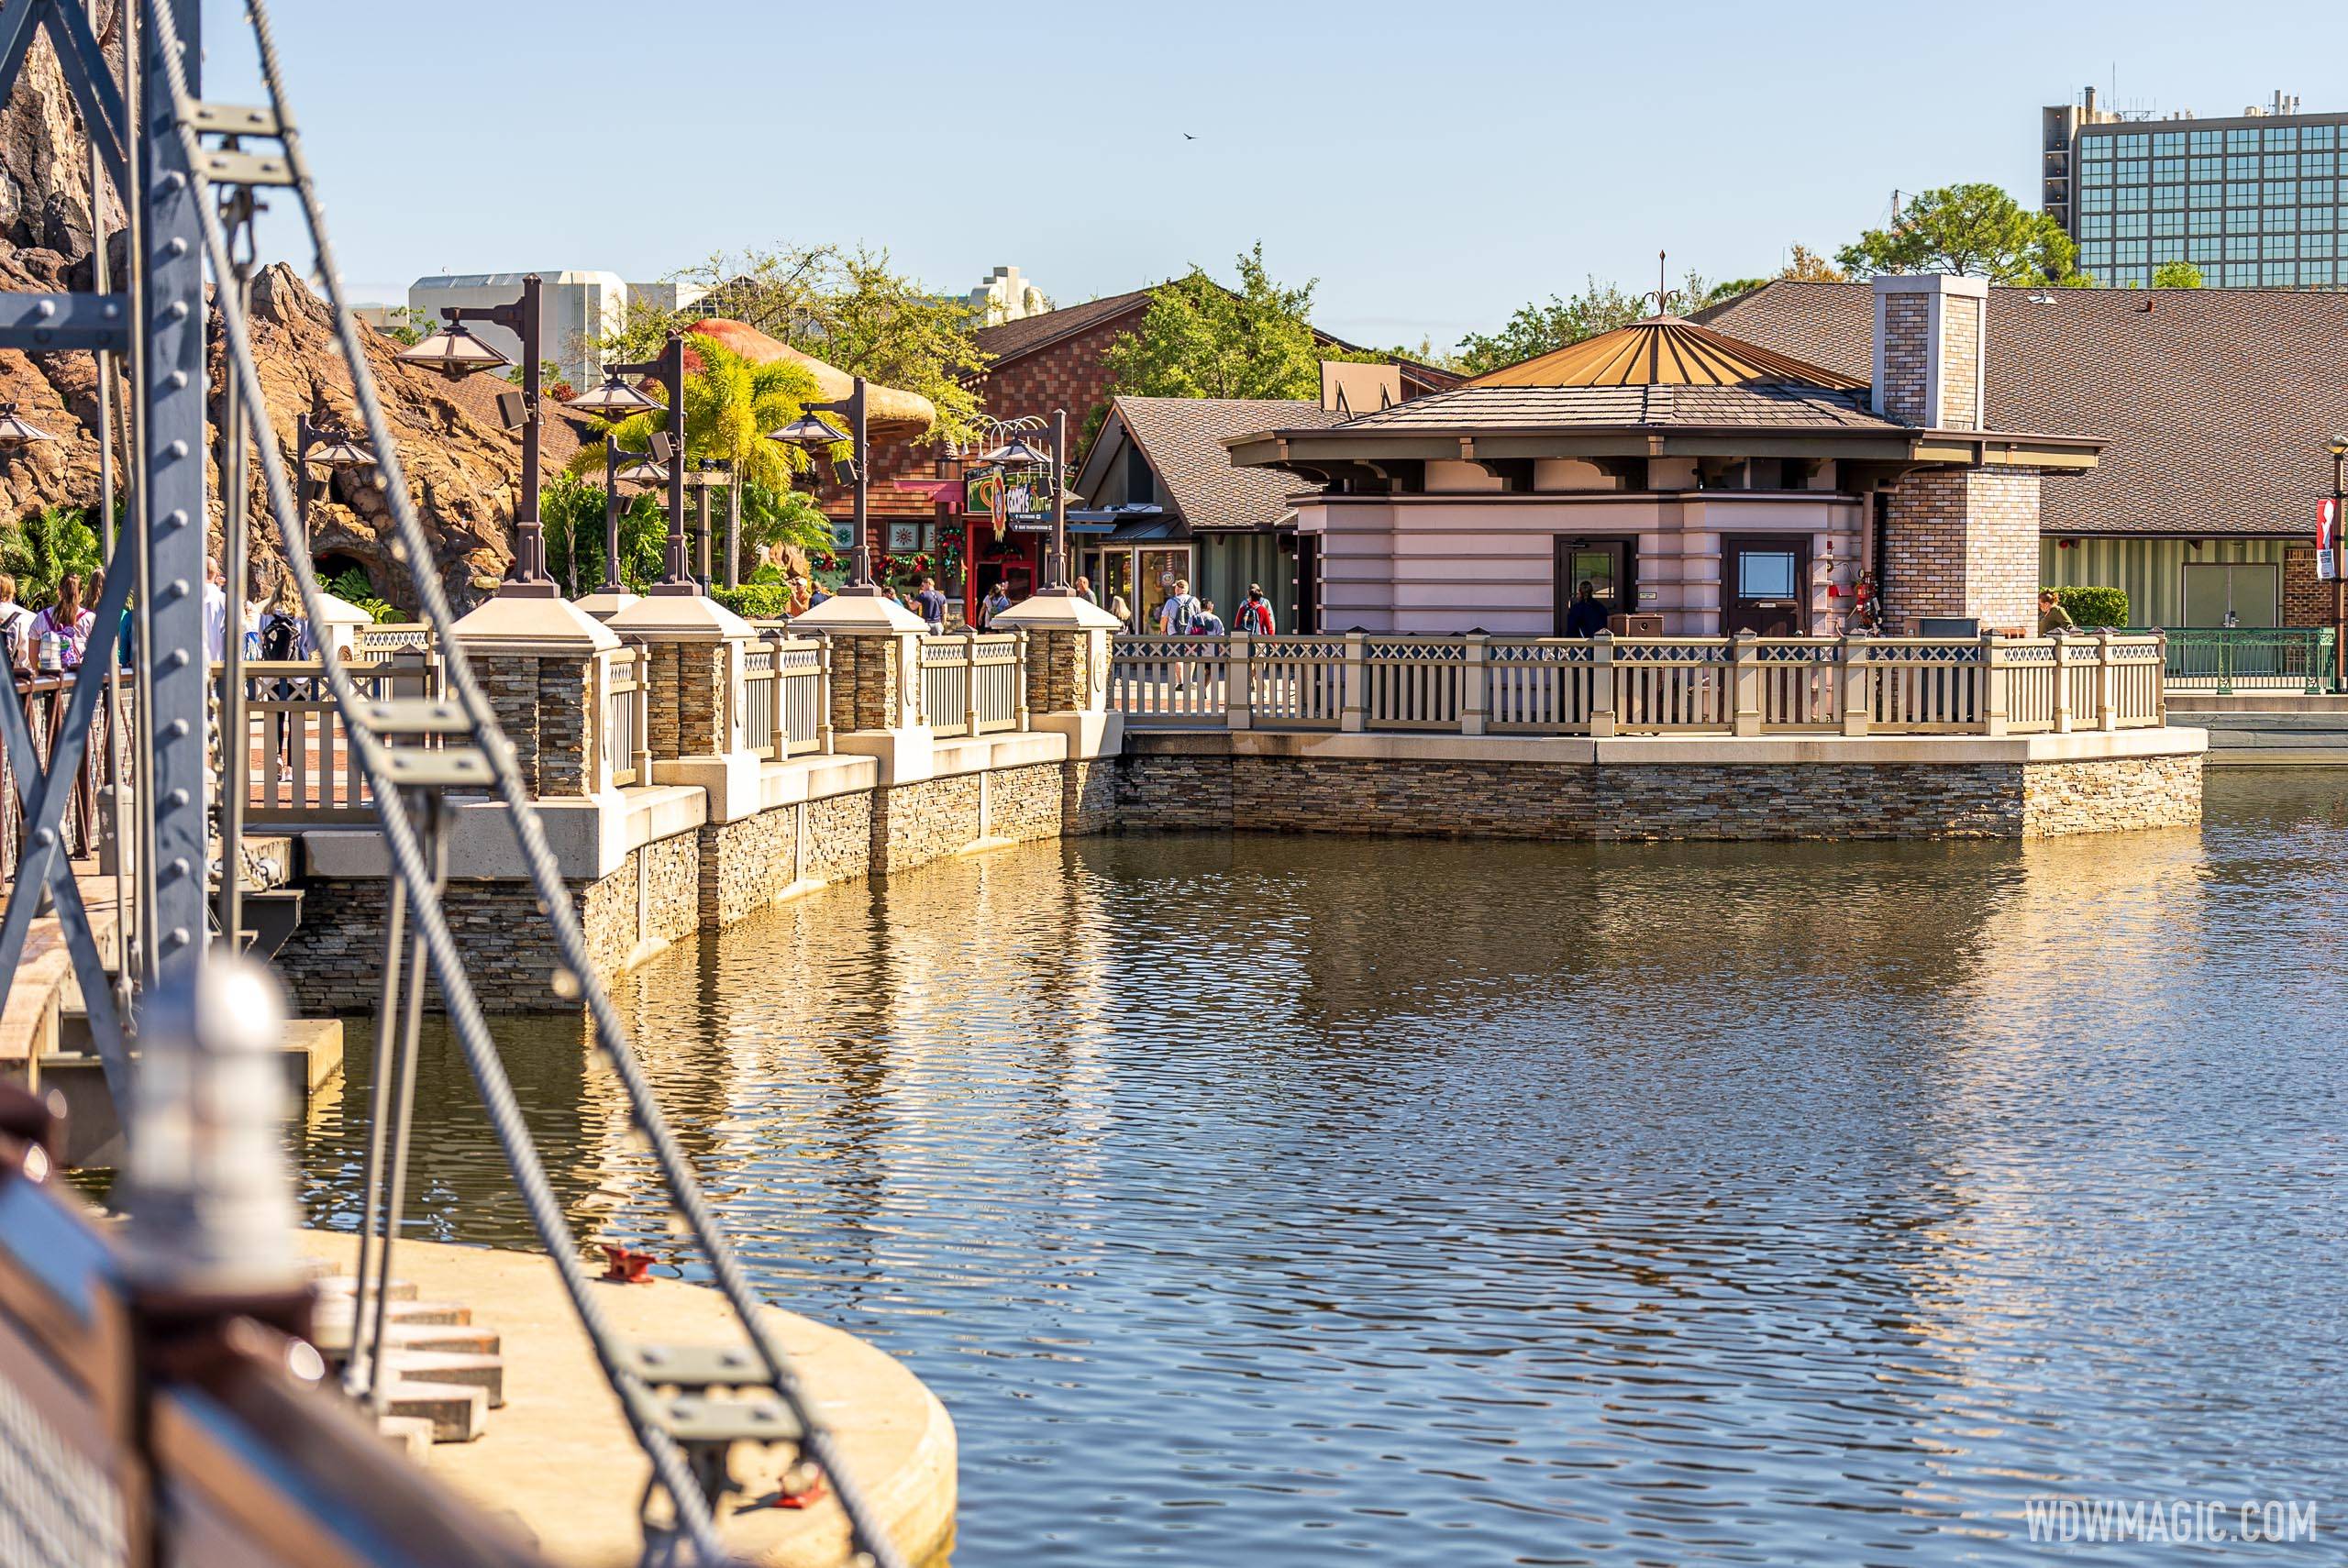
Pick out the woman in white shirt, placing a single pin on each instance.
(64, 625)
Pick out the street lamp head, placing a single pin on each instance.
(17, 433)
(340, 451)
(614, 400)
(454, 352)
(644, 470)
(808, 430)
(1015, 453)
(2340, 446)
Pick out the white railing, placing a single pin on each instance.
(972, 683)
(299, 763)
(624, 736)
(1741, 685)
(391, 636)
(802, 668)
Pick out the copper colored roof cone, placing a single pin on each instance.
(1663, 352)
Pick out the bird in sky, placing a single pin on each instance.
(1188, 136)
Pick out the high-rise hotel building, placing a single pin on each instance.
(2254, 201)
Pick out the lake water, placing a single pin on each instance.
(1316, 1201)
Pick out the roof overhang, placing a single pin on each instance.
(1319, 450)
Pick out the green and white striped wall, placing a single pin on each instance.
(2150, 571)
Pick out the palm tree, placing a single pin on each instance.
(44, 547)
(730, 405)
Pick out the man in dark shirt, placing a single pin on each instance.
(932, 605)
(1587, 617)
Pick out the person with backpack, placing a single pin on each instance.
(62, 632)
(1174, 615)
(1204, 622)
(1255, 611)
(16, 626)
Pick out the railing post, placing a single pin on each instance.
(2061, 684)
(824, 696)
(2225, 664)
(969, 682)
(1475, 685)
(1858, 701)
(2107, 683)
(1354, 697)
(1997, 708)
(1744, 683)
(642, 698)
(1019, 712)
(1239, 681)
(2160, 682)
(1602, 685)
(601, 763)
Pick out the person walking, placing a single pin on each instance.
(1085, 590)
(215, 613)
(16, 626)
(1204, 622)
(997, 600)
(1255, 611)
(1174, 615)
(62, 632)
(930, 605)
(1587, 617)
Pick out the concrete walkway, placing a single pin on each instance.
(557, 1458)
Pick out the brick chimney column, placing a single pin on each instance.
(1931, 346)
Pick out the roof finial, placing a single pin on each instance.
(1662, 295)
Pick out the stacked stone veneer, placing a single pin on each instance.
(543, 705)
(1169, 783)
(1965, 542)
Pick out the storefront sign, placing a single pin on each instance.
(1027, 500)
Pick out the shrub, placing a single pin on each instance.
(2094, 606)
(756, 601)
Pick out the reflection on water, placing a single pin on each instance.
(1289, 1200)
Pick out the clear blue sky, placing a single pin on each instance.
(1433, 165)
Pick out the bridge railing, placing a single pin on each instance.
(972, 683)
(1743, 685)
(301, 769)
(43, 699)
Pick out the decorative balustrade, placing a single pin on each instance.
(972, 684)
(298, 755)
(43, 699)
(626, 724)
(391, 636)
(1741, 685)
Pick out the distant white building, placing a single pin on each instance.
(667, 295)
(1007, 296)
(581, 309)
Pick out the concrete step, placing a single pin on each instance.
(457, 1412)
(333, 1337)
(454, 1368)
(410, 1434)
(345, 1285)
(339, 1311)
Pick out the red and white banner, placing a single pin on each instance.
(2327, 539)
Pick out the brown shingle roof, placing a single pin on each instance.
(1761, 406)
(2215, 404)
(1182, 437)
(1010, 340)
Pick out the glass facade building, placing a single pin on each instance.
(2253, 203)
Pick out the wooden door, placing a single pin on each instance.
(1765, 584)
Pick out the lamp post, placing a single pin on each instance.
(330, 449)
(17, 432)
(668, 368)
(616, 400)
(456, 353)
(811, 430)
(2339, 565)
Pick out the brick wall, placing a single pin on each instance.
(1963, 542)
(1960, 374)
(2307, 599)
(1906, 325)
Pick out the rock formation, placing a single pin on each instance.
(462, 466)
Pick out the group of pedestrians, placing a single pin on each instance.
(1184, 613)
(53, 638)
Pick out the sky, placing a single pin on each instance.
(1433, 166)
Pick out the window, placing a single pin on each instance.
(2204, 250)
(2168, 198)
(2241, 275)
(2282, 138)
(2279, 247)
(2279, 193)
(2205, 141)
(2242, 247)
(2164, 169)
(1764, 574)
(2317, 163)
(2316, 274)
(2242, 220)
(2127, 252)
(2134, 144)
(2241, 193)
(2315, 244)
(2319, 136)
(2209, 223)
(2316, 193)
(2130, 225)
(2167, 143)
(2095, 201)
(2095, 254)
(2209, 195)
(2281, 220)
(2242, 141)
(2129, 172)
(2134, 199)
(2097, 228)
(2168, 250)
(2096, 174)
(2279, 274)
(2317, 220)
(2095, 148)
(2242, 169)
(2168, 224)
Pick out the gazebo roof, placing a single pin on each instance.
(890, 415)
(1665, 351)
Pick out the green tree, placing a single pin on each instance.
(2176, 275)
(851, 309)
(1542, 325)
(45, 544)
(1974, 230)
(1199, 339)
(731, 403)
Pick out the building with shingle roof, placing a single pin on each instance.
(2215, 408)
(1179, 508)
(1698, 480)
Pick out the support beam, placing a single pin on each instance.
(54, 323)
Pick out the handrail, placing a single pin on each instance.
(1474, 684)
